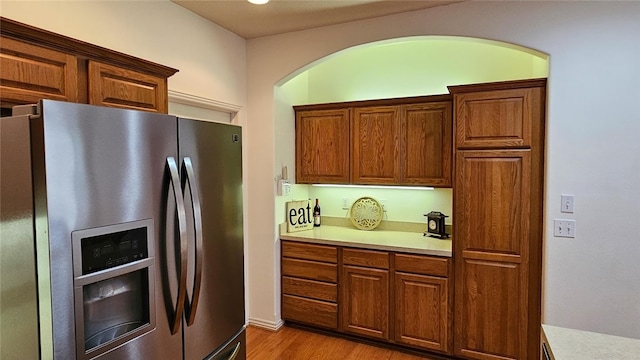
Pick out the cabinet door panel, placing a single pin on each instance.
(374, 145)
(492, 310)
(29, 73)
(365, 302)
(322, 146)
(116, 87)
(421, 311)
(494, 202)
(426, 145)
(497, 119)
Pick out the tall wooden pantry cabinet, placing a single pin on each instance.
(498, 182)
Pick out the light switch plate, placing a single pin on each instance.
(567, 203)
(564, 228)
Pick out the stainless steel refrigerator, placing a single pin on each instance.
(121, 235)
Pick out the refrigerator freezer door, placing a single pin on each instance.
(18, 305)
(215, 152)
(103, 166)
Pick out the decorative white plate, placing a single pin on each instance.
(366, 213)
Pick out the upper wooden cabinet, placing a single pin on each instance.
(426, 143)
(37, 64)
(322, 146)
(404, 141)
(29, 73)
(498, 116)
(375, 151)
(117, 87)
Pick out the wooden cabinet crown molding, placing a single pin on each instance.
(377, 102)
(27, 33)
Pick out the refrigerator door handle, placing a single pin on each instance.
(187, 168)
(172, 167)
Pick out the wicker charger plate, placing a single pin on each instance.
(366, 213)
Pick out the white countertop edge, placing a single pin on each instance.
(370, 244)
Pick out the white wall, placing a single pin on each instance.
(591, 282)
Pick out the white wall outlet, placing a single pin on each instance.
(345, 204)
(383, 202)
(564, 228)
(566, 203)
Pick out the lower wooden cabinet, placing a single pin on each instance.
(310, 284)
(395, 298)
(423, 303)
(364, 299)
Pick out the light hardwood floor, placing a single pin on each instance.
(295, 344)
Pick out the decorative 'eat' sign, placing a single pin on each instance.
(299, 216)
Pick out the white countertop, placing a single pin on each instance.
(400, 241)
(571, 344)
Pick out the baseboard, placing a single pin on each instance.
(269, 325)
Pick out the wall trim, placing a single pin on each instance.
(202, 102)
(265, 324)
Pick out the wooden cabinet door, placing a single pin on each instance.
(322, 146)
(375, 134)
(117, 87)
(364, 303)
(427, 144)
(29, 73)
(493, 207)
(422, 311)
(499, 118)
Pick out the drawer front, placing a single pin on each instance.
(427, 265)
(310, 251)
(366, 258)
(310, 289)
(309, 311)
(311, 270)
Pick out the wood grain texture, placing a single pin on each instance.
(293, 343)
(309, 288)
(322, 146)
(495, 203)
(310, 311)
(498, 206)
(365, 258)
(497, 119)
(364, 302)
(422, 311)
(311, 270)
(426, 144)
(323, 253)
(29, 73)
(375, 156)
(426, 265)
(128, 89)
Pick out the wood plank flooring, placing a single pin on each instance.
(290, 343)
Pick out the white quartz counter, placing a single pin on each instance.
(570, 344)
(400, 241)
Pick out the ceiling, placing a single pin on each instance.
(280, 16)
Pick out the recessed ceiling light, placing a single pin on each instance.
(258, 2)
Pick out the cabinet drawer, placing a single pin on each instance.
(310, 270)
(366, 258)
(308, 311)
(310, 289)
(427, 265)
(310, 251)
